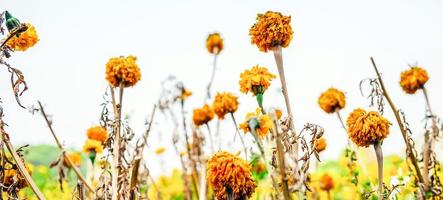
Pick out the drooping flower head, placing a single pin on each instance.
(332, 100)
(202, 115)
(263, 123)
(122, 70)
(271, 29)
(75, 158)
(366, 128)
(160, 150)
(255, 80)
(214, 43)
(12, 176)
(225, 103)
(98, 133)
(326, 182)
(413, 79)
(229, 173)
(93, 146)
(24, 40)
(320, 144)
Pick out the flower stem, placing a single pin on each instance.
(281, 162)
(214, 67)
(237, 131)
(116, 147)
(379, 154)
(211, 140)
(428, 139)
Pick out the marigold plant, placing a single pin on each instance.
(326, 182)
(263, 126)
(214, 43)
(202, 115)
(366, 128)
(25, 40)
(122, 71)
(332, 100)
(98, 133)
(413, 79)
(225, 103)
(270, 30)
(255, 80)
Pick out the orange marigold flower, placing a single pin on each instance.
(255, 80)
(366, 128)
(12, 176)
(320, 144)
(185, 94)
(225, 103)
(326, 182)
(264, 123)
(214, 43)
(160, 150)
(75, 158)
(229, 173)
(278, 113)
(332, 100)
(413, 79)
(202, 115)
(271, 29)
(92, 146)
(98, 133)
(121, 70)
(23, 41)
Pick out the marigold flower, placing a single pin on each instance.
(320, 144)
(229, 173)
(214, 43)
(185, 94)
(413, 79)
(92, 146)
(225, 103)
(332, 100)
(255, 80)
(121, 70)
(12, 176)
(202, 115)
(278, 113)
(98, 133)
(75, 158)
(326, 182)
(264, 124)
(366, 128)
(23, 41)
(271, 29)
(160, 150)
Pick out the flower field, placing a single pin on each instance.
(213, 149)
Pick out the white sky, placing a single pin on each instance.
(331, 47)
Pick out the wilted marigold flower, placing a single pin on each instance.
(214, 43)
(75, 158)
(413, 79)
(225, 103)
(98, 133)
(12, 176)
(255, 80)
(271, 29)
(229, 173)
(264, 123)
(320, 144)
(160, 150)
(23, 41)
(121, 70)
(92, 146)
(366, 128)
(326, 182)
(332, 100)
(202, 115)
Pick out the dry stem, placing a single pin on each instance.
(214, 66)
(116, 147)
(379, 154)
(237, 131)
(281, 162)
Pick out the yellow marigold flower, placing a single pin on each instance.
(160, 150)
(366, 128)
(332, 100)
(255, 80)
(214, 43)
(270, 30)
(326, 182)
(121, 70)
(320, 144)
(264, 124)
(98, 133)
(93, 146)
(75, 158)
(229, 173)
(24, 40)
(202, 115)
(13, 177)
(225, 103)
(413, 79)
(185, 94)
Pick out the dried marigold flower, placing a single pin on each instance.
(160, 150)
(214, 43)
(255, 80)
(413, 79)
(23, 41)
(75, 158)
(332, 100)
(98, 133)
(264, 123)
(12, 176)
(366, 128)
(270, 30)
(92, 146)
(202, 115)
(229, 173)
(225, 103)
(326, 182)
(122, 71)
(320, 144)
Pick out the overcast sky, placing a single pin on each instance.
(332, 43)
